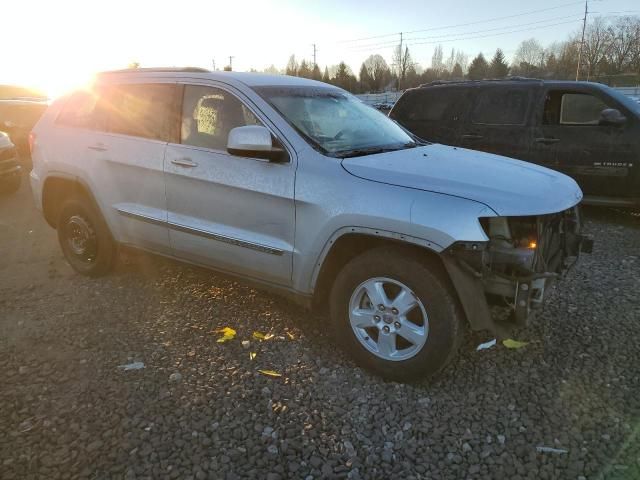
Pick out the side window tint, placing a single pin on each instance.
(79, 110)
(141, 110)
(209, 114)
(431, 105)
(500, 106)
(581, 109)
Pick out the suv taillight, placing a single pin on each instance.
(32, 140)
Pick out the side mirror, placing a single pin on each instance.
(254, 141)
(611, 117)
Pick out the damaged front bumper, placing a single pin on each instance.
(515, 268)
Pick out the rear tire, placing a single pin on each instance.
(396, 314)
(84, 237)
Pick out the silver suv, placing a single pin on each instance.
(298, 186)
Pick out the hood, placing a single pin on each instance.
(509, 187)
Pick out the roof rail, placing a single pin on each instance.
(159, 69)
(455, 82)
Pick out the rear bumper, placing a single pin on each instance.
(518, 277)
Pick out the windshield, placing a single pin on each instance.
(335, 122)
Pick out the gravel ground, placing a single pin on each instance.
(200, 409)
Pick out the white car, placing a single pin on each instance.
(299, 187)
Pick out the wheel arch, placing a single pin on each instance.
(349, 242)
(56, 189)
(353, 241)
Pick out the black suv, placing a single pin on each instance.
(587, 130)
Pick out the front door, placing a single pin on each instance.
(599, 157)
(234, 213)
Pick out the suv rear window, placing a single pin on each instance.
(500, 106)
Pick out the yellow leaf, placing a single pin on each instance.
(262, 336)
(509, 343)
(291, 335)
(227, 334)
(270, 373)
(252, 355)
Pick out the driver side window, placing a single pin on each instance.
(209, 114)
(568, 108)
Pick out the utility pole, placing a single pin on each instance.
(314, 54)
(231, 62)
(400, 61)
(213, 61)
(584, 26)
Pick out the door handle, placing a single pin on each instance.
(472, 136)
(547, 141)
(184, 162)
(98, 147)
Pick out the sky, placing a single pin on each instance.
(57, 45)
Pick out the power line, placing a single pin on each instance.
(446, 35)
(494, 19)
(490, 35)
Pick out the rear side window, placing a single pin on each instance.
(500, 106)
(141, 110)
(78, 111)
(429, 105)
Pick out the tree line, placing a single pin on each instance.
(610, 53)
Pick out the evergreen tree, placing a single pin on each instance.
(456, 73)
(315, 73)
(325, 75)
(304, 70)
(479, 68)
(292, 66)
(365, 79)
(499, 67)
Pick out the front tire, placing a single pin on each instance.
(84, 238)
(396, 314)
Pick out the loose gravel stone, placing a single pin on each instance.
(199, 409)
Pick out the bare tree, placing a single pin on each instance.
(597, 43)
(624, 36)
(462, 59)
(402, 61)
(292, 66)
(437, 63)
(529, 52)
(379, 72)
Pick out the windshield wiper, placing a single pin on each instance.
(361, 152)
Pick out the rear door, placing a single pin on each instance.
(433, 113)
(599, 157)
(118, 137)
(233, 213)
(498, 121)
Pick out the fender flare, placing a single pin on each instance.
(371, 232)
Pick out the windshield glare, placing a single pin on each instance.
(335, 122)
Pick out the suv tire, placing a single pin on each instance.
(84, 237)
(381, 330)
